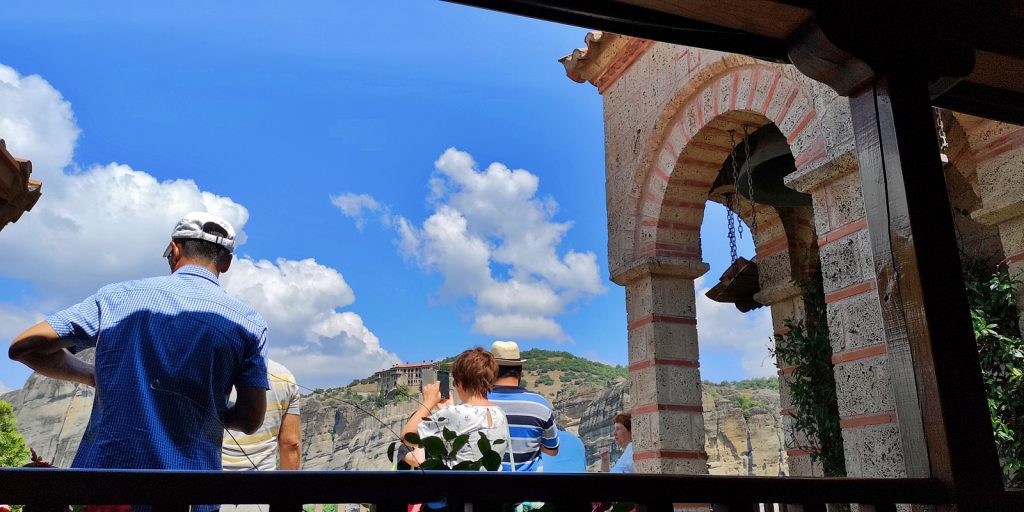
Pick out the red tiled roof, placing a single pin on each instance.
(18, 192)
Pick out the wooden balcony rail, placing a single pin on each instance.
(391, 491)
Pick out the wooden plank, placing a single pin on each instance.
(81, 486)
(943, 416)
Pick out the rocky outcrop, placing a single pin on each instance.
(52, 415)
(342, 435)
(730, 437)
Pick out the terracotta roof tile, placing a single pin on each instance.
(18, 192)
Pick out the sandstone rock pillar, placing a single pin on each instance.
(668, 422)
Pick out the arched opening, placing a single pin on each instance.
(738, 160)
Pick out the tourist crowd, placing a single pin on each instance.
(183, 380)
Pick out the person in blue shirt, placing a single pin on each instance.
(623, 434)
(168, 351)
(571, 456)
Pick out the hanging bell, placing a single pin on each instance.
(770, 161)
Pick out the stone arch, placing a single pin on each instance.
(977, 240)
(695, 142)
(671, 192)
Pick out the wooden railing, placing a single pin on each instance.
(391, 491)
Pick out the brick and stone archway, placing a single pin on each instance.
(668, 111)
(661, 314)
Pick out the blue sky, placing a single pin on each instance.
(324, 129)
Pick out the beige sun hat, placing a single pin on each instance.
(507, 353)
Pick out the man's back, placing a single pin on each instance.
(531, 425)
(168, 350)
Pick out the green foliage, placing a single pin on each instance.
(542, 361)
(745, 403)
(812, 388)
(328, 507)
(358, 382)
(545, 380)
(400, 394)
(771, 383)
(1001, 353)
(13, 451)
(441, 451)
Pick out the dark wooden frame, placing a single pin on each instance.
(894, 60)
(392, 490)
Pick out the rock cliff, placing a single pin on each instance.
(341, 435)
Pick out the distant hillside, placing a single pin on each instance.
(350, 427)
(546, 371)
(550, 372)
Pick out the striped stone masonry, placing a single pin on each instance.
(668, 422)
(856, 332)
(672, 115)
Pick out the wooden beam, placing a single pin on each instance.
(943, 417)
(637, 21)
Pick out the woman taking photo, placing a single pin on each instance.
(473, 374)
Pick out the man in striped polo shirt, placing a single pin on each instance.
(277, 444)
(280, 435)
(531, 421)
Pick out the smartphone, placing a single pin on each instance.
(442, 377)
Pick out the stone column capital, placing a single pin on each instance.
(779, 293)
(669, 267)
(812, 177)
(995, 214)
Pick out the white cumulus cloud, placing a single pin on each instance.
(357, 206)
(106, 224)
(300, 300)
(496, 243)
(111, 222)
(37, 121)
(721, 325)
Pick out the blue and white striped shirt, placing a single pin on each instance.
(531, 424)
(158, 341)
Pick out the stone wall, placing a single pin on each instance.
(671, 116)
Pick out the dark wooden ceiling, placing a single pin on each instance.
(926, 33)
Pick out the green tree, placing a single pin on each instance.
(1001, 354)
(13, 451)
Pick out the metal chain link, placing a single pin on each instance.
(731, 220)
(735, 182)
(750, 182)
(940, 131)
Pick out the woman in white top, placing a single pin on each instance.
(473, 374)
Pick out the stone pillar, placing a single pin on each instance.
(786, 302)
(867, 409)
(999, 153)
(668, 422)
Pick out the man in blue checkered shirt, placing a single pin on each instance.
(168, 351)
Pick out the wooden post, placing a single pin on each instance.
(940, 399)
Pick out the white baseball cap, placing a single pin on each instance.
(192, 226)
